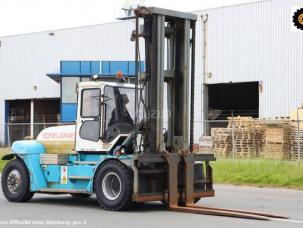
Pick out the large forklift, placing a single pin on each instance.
(122, 155)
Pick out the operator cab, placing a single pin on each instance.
(105, 115)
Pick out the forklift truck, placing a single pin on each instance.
(121, 153)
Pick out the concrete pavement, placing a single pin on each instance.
(65, 211)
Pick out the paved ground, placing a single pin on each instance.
(49, 209)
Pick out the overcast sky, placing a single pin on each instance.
(25, 16)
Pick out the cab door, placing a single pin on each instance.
(88, 120)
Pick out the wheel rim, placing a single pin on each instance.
(14, 181)
(111, 186)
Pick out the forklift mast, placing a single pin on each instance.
(166, 169)
(169, 42)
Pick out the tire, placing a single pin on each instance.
(15, 171)
(80, 195)
(113, 186)
(298, 19)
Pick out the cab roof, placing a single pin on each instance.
(102, 84)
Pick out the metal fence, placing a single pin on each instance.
(246, 137)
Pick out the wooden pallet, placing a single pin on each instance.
(222, 142)
(295, 136)
(277, 134)
(223, 153)
(244, 123)
(206, 145)
(246, 153)
(295, 157)
(247, 133)
(276, 151)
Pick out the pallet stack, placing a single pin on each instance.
(277, 140)
(222, 142)
(248, 136)
(206, 145)
(296, 135)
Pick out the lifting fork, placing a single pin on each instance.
(173, 160)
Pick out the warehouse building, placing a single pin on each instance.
(248, 62)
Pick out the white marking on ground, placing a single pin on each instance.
(287, 220)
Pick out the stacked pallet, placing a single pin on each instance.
(206, 145)
(276, 140)
(248, 135)
(296, 142)
(222, 142)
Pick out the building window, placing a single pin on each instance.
(68, 89)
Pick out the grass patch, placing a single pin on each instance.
(3, 151)
(259, 173)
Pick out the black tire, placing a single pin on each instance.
(22, 192)
(80, 195)
(121, 176)
(298, 19)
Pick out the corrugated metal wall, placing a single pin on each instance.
(257, 42)
(254, 42)
(26, 59)
(249, 42)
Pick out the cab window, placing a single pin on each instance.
(90, 106)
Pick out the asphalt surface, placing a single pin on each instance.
(51, 211)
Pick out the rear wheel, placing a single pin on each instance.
(113, 186)
(15, 182)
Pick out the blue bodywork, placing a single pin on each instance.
(80, 168)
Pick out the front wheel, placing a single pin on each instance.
(15, 182)
(113, 186)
